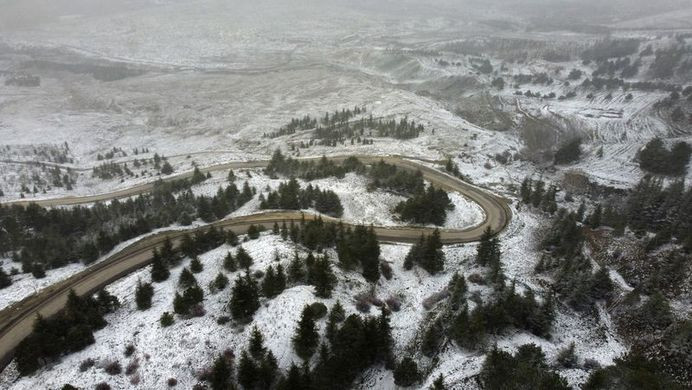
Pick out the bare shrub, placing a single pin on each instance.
(363, 306)
(393, 303)
(129, 350)
(113, 368)
(135, 379)
(386, 270)
(132, 367)
(430, 301)
(197, 311)
(86, 364)
(476, 279)
(363, 302)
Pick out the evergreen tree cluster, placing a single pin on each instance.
(274, 282)
(355, 246)
(666, 211)
(658, 159)
(257, 368)
(71, 330)
(244, 298)
(488, 254)
(352, 345)
(390, 178)
(189, 303)
(42, 238)
(337, 118)
(359, 247)
(533, 192)
(633, 371)
(575, 281)
(311, 170)
(290, 196)
(403, 129)
(426, 253)
(425, 207)
(527, 369)
(143, 295)
(565, 237)
(507, 309)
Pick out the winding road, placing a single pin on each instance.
(16, 321)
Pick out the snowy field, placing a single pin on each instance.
(187, 347)
(215, 76)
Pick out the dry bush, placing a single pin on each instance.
(129, 350)
(393, 303)
(86, 364)
(386, 270)
(132, 367)
(113, 368)
(476, 279)
(430, 301)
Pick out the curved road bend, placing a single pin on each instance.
(16, 321)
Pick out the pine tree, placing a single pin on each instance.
(322, 277)
(267, 371)
(143, 294)
(433, 258)
(196, 265)
(275, 228)
(432, 338)
(243, 258)
(159, 271)
(220, 374)
(247, 371)
(244, 298)
(370, 257)
(280, 280)
(166, 319)
(406, 373)
(229, 263)
(306, 338)
(438, 384)
(186, 279)
(5, 280)
(296, 271)
(336, 316)
(488, 251)
(269, 282)
(385, 341)
(294, 379)
(526, 190)
(220, 282)
(180, 306)
(256, 344)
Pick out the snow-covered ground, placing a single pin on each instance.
(189, 346)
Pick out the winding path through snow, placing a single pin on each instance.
(16, 321)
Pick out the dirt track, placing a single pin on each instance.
(16, 321)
